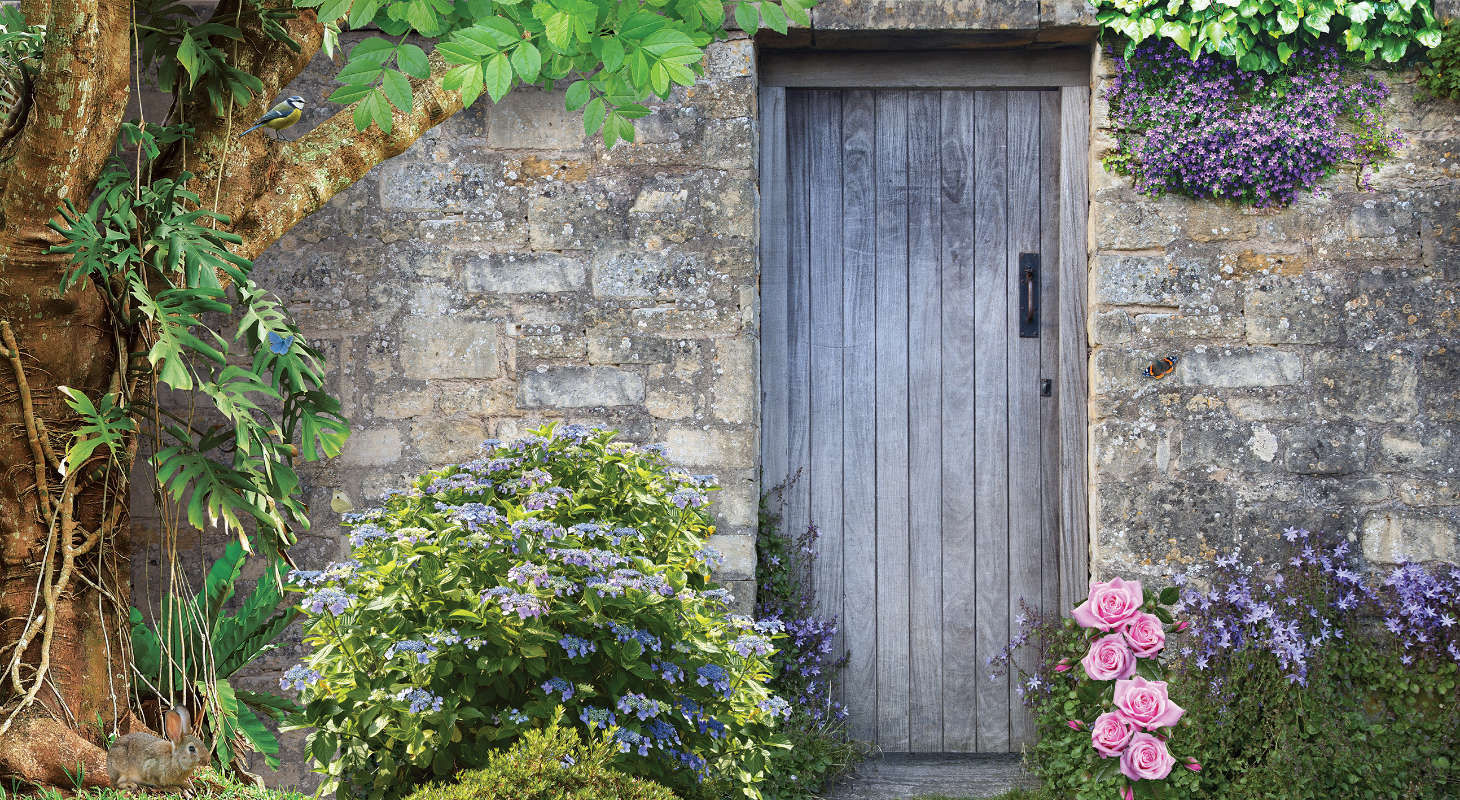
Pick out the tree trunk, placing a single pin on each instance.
(72, 537)
(66, 537)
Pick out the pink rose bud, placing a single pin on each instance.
(1110, 604)
(1145, 634)
(1110, 658)
(1110, 734)
(1182, 625)
(1146, 703)
(1063, 666)
(1076, 725)
(1146, 759)
(1127, 792)
(1192, 765)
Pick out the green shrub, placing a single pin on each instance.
(564, 569)
(1439, 72)
(1260, 35)
(552, 763)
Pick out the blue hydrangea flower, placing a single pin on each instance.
(689, 498)
(369, 532)
(331, 598)
(560, 686)
(714, 676)
(297, 677)
(419, 700)
(421, 649)
(595, 717)
(576, 647)
(638, 705)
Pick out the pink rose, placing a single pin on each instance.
(1145, 634)
(1146, 759)
(1109, 604)
(1110, 658)
(1111, 733)
(1146, 703)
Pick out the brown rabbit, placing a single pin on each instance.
(145, 759)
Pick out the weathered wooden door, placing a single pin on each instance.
(907, 237)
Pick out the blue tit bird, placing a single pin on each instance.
(280, 116)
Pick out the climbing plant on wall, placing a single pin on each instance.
(1263, 35)
(1208, 129)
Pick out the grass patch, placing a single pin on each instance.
(208, 784)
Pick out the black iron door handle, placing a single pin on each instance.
(1029, 295)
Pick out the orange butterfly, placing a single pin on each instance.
(1161, 367)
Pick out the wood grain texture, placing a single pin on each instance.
(959, 254)
(1074, 352)
(774, 311)
(1049, 342)
(798, 314)
(859, 412)
(1022, 579)
(925, 461)
(824, 155)
(892, 422)
(991, 411)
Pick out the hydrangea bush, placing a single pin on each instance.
(564, 569)
(806, 663)
(1207, 129)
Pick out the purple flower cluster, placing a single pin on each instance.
(595, 717)
(513, 602)
(714, 676)
(689, 498)
(1311, 598)
(1208, 129)
(806, 661)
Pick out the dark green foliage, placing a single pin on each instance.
(551, 763)
(158, 261)
(1439, 71)
(1261, 35)
(1366, 727)
(194, 644)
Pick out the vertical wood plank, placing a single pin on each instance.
(859, 422)
(892, 422)
(774, 241)
(1023, 581)
(798, 325)
(957, 255)
(824, 152)
(991, 411)
(1074, 353)
(1049, 461)
(925, 470)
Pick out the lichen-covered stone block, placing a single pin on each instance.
(580, 387)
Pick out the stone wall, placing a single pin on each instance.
(1319, 374)
(506, 271)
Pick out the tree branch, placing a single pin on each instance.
(270, 185)
(80, 96)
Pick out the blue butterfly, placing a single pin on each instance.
(280, 344)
